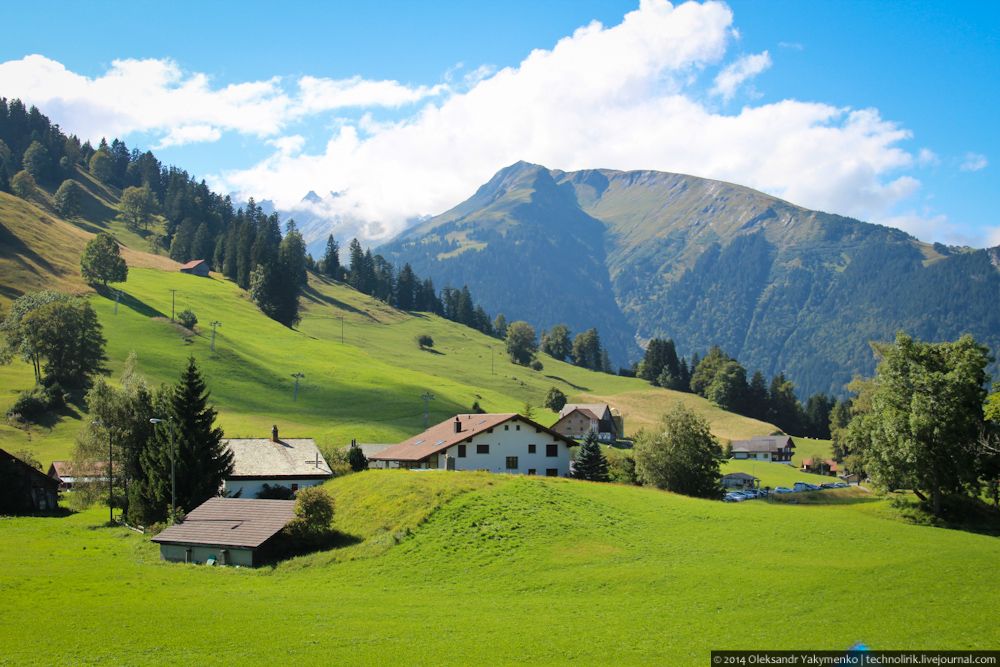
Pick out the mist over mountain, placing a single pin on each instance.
(640, 254)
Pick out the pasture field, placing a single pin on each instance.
(364, 372)
(467, 568)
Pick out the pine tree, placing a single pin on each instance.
(190, 436)
(590, 463)
(356, 458)
(331, 258)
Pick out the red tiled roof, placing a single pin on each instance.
(193, 263)
(442, 436)
(231, 522)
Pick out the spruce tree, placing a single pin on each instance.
(590, 463)
(356, 458)
(331, 258)
(189, 434)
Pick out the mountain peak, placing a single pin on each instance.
(312, 198)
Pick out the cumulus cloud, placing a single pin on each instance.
(974, 162)
(156, 96)
(733, 75)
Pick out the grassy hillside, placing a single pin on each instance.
(367, 387)
(516, 570)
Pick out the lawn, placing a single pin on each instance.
(496, 569)
(364, 372)
(773, 474)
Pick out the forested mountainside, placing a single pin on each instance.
(645, 254)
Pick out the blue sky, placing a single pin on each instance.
(923, 160)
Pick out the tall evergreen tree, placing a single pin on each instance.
(590, 463)
(330, 264)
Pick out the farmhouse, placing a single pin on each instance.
(504, 442)
(25, 489)
(777, 448)
(197, 267)
(740, 480)
(258, 461)
(68, 473)
(576, 420)
(820, 467)
(227, 531)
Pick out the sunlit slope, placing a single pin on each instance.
(364, 372)
(516, 570)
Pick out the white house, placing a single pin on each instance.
(775, 448)
(504, 442)
(294, 464)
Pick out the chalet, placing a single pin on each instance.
(820, 467)
(24, 489)
(290, 463)
(68, 473)
(775, 448)
(740, 480)
(227, 531)
(196, 267)
(576, 420)
(504, 442)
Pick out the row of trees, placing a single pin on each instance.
(584, 350)
(723, 380)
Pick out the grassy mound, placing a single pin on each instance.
(517, 570)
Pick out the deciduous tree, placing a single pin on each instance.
(680, 455)
(102, 261)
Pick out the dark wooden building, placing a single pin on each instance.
(24, 489)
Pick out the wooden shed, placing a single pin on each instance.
(198, 267)
(24, 489)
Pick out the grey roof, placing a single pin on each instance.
(231, 522)
(598, 409)
(738, 475)
(261, 457)
(771, 443)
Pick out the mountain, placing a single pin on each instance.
(640, 254)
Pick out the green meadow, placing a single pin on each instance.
(470, 568)
(364, 372)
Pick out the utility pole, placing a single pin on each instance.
(173, 299)
(341, 329)
(428, 397)
(297, 376)
(111, 514)
(215, 323)
(173, 457)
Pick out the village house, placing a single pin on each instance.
(227, 531)
(196, 267)
(68, 473)
(820, 467)
(576, 420)
(505, 442)
(740, 480)
(293, 463)
(24, 489)
(774, 448)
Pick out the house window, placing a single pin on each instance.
(506, 427)
(489, 430)
(511, 463)
(517, 428)
(482, 449)
(551, 472)
(552, 450)
(531, 471)
(295, 487)
(461, 451)
(531, 449)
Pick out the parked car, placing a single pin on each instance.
(805, 486)
(782, 489)
(841, 485)
(733, 497)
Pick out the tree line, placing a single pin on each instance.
(723, 380)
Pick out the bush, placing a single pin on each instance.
(276, 492)
(33, 404)
(187, 318)
(555, 400)
(23, 185)
(536, 365)
(425, 341)
(313, 514)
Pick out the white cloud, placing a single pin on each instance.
(974, 162)
(734, 74)
(325, 94)
(926, 157)
(189, 134)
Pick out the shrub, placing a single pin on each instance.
(555, 400)
(23, 185)
(33, 404)
(276, 492)
(536, 365)
(425, 341)
(187, 318)
(313, 514)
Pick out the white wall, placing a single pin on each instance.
(200, 554)
(510, 442)
(252, 487)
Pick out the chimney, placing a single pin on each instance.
(458, 426)
(274, 433)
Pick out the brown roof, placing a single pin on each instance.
(231, 522)
(193, 263)
(763, 444)
(596, 409)
(71, 469)
(442, 436)
(589, 414)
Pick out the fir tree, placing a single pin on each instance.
(590, 463)
(356, 458)
(331, 258)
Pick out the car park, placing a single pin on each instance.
(783, 489)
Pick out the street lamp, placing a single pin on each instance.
(111, 514)
(173, 480)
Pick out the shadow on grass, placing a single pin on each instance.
(575, 386)
(316, 296)
(431, 350)
(969, 515)
(15, 249)
(290, 548)
(128, 301)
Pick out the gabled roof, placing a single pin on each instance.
(739, 475)
(596, 409)
(442, 436)
(263, 458)
(193, 263)
(589, 414)
(231, 522)
(37, 475)
(771, 443)
(64, 469)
